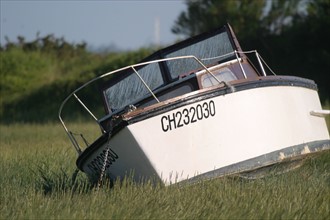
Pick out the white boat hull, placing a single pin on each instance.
(225, 130)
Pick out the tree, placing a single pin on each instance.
(291, 35)
(204, 15)
(249, 18)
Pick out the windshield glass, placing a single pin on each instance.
(131, 88)
(213, 47)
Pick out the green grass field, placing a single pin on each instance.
(37, 162)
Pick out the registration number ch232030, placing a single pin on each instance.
(188, 116)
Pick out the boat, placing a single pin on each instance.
(200, 109)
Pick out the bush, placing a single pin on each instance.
(36, 76)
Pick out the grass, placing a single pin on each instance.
(37, 163)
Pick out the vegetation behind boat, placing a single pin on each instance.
(35, 81)
(36, 75)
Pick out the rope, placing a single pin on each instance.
(82, 137)
(103, 167)
(267, 65)
(227, 54)
(240, 52)
(217, 57)
(104, 164)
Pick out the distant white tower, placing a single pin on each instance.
(157, 32)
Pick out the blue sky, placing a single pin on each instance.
(123, 24)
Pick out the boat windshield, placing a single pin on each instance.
(127, 88)
(211, 50)
(131, 88)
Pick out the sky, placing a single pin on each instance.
(124, 25)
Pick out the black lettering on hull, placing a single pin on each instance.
(97, 163)
(188, 116)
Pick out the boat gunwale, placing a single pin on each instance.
(217, 90)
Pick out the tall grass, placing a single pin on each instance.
(37, 163)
